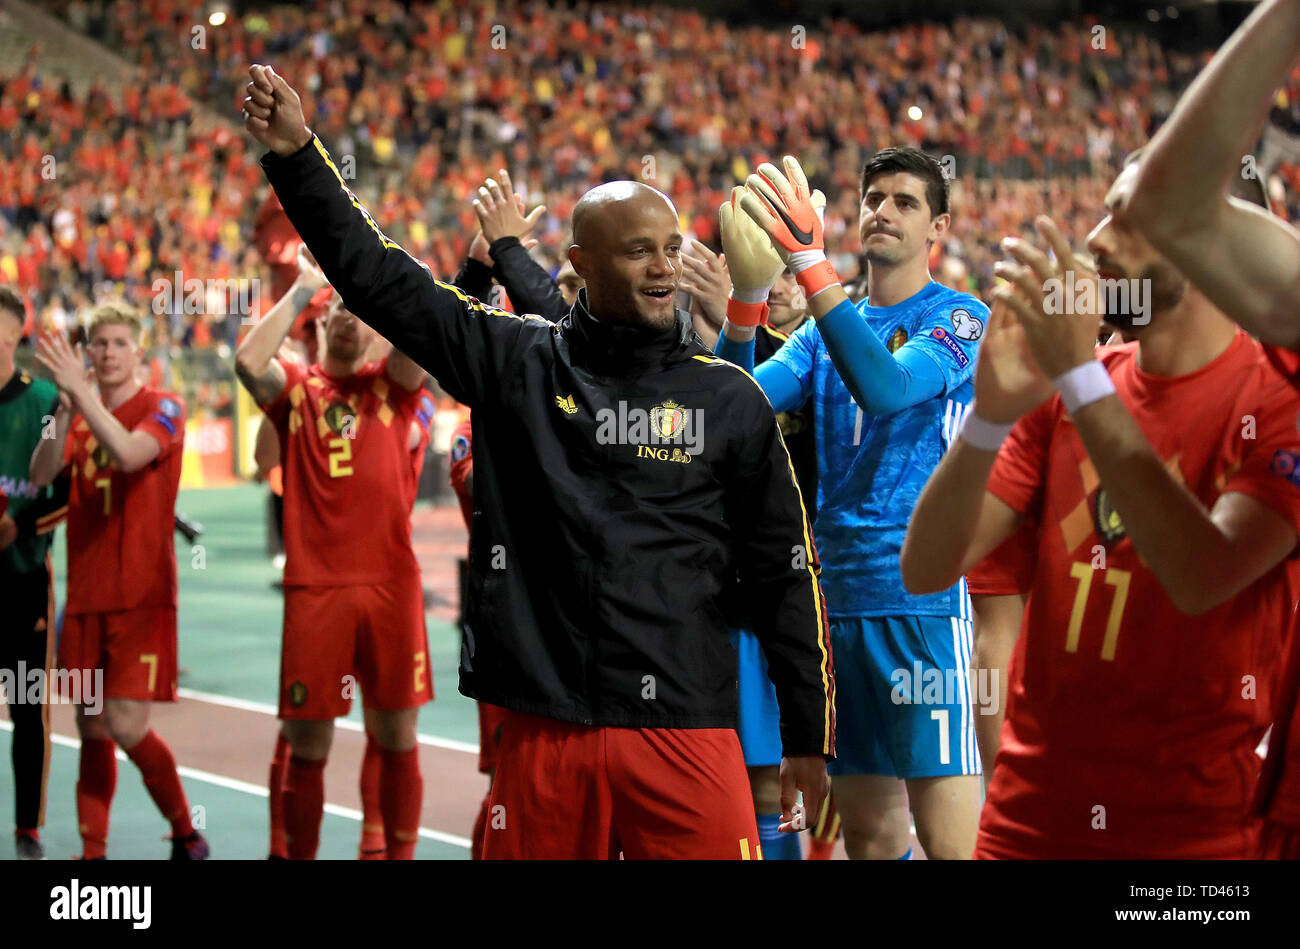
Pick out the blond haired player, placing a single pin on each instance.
(124, 448)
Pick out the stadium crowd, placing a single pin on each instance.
(429, 100)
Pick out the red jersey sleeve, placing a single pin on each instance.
(277, 410)
(462, 463)
(462, 456)
(1020, 471)
(1270, 466)
(1010, 568)
(165, 421)
(1285, 362)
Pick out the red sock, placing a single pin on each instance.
(31, 832)
(275, 789)
(158, 768)
(401, 792)
(373, 845)
(304, 806)
(822, 843)
(480, 829)
(95, 785)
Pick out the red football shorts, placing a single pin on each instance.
(136, 649)
(565, 791)
(490, 719)
(1278, 842)
(339, 639)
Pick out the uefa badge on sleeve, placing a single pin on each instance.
(965, 325)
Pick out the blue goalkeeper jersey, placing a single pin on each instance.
(872, 468)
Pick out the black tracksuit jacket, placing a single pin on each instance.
(598, 555)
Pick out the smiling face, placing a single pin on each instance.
(627, 248)
(894, 219)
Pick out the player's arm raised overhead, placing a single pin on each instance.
(506, 229)
(255, 361)
(881, 382)
(1200, 557)
(1246, 261)
(778, 568)
(131, 450)
(459, 339)
(957, 521)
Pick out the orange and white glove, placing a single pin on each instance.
(782, 206)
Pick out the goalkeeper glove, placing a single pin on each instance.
(753, 262)
(784, 208)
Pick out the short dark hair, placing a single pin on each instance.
(1249, 189)
(12, 302)
(889, 161)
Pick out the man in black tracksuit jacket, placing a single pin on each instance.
(617, 466)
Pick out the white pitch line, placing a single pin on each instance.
(234, 784)
(433, 741)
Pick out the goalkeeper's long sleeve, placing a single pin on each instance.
(779, 384)
(881, 382)
(742, 354)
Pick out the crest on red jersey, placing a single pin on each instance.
(1110, 528)
(337, 415)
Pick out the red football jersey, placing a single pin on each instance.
(1131, 728)
(462, 463)
(1278, 796)
(344, 445)
(120, 550)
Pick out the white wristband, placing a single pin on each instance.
(752, 295)
(983, 434)
(801, 260)
(1083, 384)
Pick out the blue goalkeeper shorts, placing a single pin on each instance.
(902, 696)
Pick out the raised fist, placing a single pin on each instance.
(273, 112)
